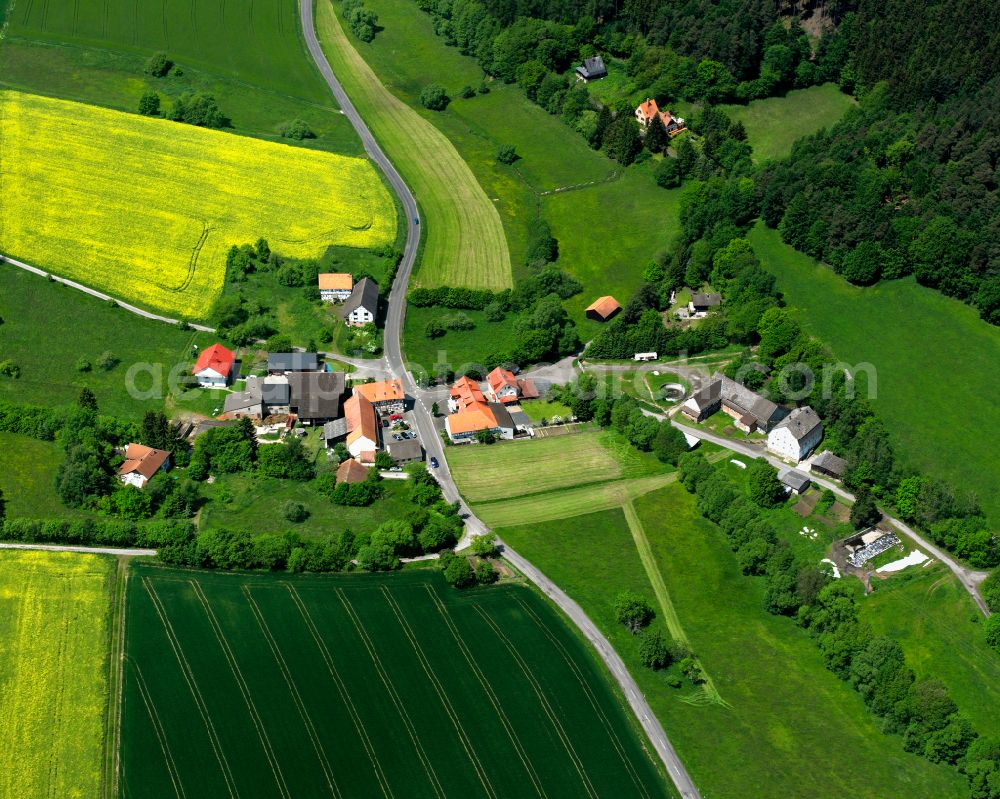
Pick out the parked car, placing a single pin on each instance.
(409, 436)
(385, 423)
(434, 462)
(397, 437)
(396, 417)
(395, 468)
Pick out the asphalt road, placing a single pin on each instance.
(89, 550)
(432, 443)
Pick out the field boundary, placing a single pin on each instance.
(111, 763)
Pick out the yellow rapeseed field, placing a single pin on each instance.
(54, 610)
(145, 209)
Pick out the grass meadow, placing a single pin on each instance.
(935, 361)
(785, 726)
(27, 478)
(941, 631)
(54, 611)
(148, 208)
(363, 686)
(464, 239)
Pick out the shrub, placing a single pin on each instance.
(507, 154)
(10, 369)
(484, 546)
(486, 574)
(653, 650)
(668, 173)
(992, 628)
(149, 104)
(295, 512)
(632, 610)
(158, 65)
(434, 97)
(83, 365)
(107, 361)
(297, 129)
(434, 329)
(467, 92)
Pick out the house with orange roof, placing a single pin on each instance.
(362, 427)
(335, 286)
(478, 417)
(214, 367)
(141, 464)
(646, 112)
(503, 385)
(350, 471)
(603, 308)
(387, 395)
(463, 393)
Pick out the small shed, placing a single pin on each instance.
(826, 463)
(795, 481)
(603, 308)
(591, 69)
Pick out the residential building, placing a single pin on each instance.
(214, 367)
(648, 111)
(361, 307)
(405, 451)
(749, 410)
(603, 308)
(464, 392)
(829, 465)
(141, 463)
(591, 69)
(315, 397)
(350, 471)
(478, 417)
(522, 422)
(262, 397)
(505, 426)
(279, 363)
(795, 481)
(362, 428)
(387, 395)
(795, 436)
(703, 303)
(503, 385)
(335, 286)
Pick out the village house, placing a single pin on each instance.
(603, 308)
(278, 363)
(335, 286)
(795, 436)
(141, 464)
(350, 471)
(794, 481)
(362, 428)
(464, 392)
(749, 410)
(214, 367)
(828, 465)
(406, 451)
(262, 397)
(503, 385)
(386, 395)
(648, 111)
(591, 69)
(479, 417)
(315, 397)
(361, 307)
(701, 304)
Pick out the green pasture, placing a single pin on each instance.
(456, 350)
(941, 631)
(27, 478)
(774, 124)
(365, 685)
(933, 360)
(784, 718)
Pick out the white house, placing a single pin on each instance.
(214, 367)
(362, 427)
(361, 307)
(335, 286)
(795, 436)
(141, 463)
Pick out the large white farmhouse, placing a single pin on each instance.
(795, 436)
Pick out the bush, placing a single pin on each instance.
(149, 104)
(467, 92)
(992, 628)
(83, 365)
(434, 97)
(107, 361)
(507, 154)
(484, 546)
(9, 369)
(457, 571)
(632, 610)
(297, 129)
(486, 574)
(654, 651)
(198, 109)
(158, 65)
(295, 512)
(668, 174)
(434, 329)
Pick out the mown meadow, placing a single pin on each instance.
(364, 686)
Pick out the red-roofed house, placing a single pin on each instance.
(214, 367)
(479, 416)
(362, 427)
(141, 463)
(648, 111)
(463, 393)
(387, 395)
(503, 385)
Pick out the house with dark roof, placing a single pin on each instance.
(794, 481)
(333, 431)
(406, 451)
(262, 397)
(361, 307)
(591, 69)
(280, 362)
(795, 436)
(749, 410)
(214, 367)
(315, 397)
(829, 465)
(703, 303)
(141, 464)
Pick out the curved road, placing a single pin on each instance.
(432, 442)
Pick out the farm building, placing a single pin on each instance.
(350, 471)
(603, 308)
(278, 363)
(333, 431)
(795, 436)
(315, 397)
(141, 463)
(262, 397)
(795, 481)
(362, 427)
(361, 307)
(387, 395)
(406, 451)
(591, 69)
(828, 464)
(749, 410)
(646, 112)
(214, 367)
(335, 286)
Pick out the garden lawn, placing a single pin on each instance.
(941, 631)
(539, 409)
(27, 478)
(362, 685)
(774, 124)
(787, 718)
(49, 327)
(464, 240)
(54, 609)
(457, 350)
(935, 359)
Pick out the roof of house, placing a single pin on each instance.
(335, 281)
(364, 295)
(144, 460)
(336, 428)
(216, 358)
(316, 395)
(275, 392)
(747, 401)
(383, 391)
(708, 394)
(478, 416)
(829, 462)
(648, 109)
(241, 400)
(293, 362)
(465, 391)
(800, 422)
(502, 416)
(361, 419)
(604, 306)
(521, 419)
(706, 300)
(408, 449)
(593, 67)
(350, 471)
(794, 479)
(501, 378)
(527, 388)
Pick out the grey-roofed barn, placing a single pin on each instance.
(801, 422)
(829, 464)
(281, 362)
(795, 480)
(316, 396)
(405, 451)
(364, 298)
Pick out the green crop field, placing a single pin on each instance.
(363, 686)
(464, 239)
(774, 124)
(54, 609)
(786, 720)
(924, 392)
(941, 631)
